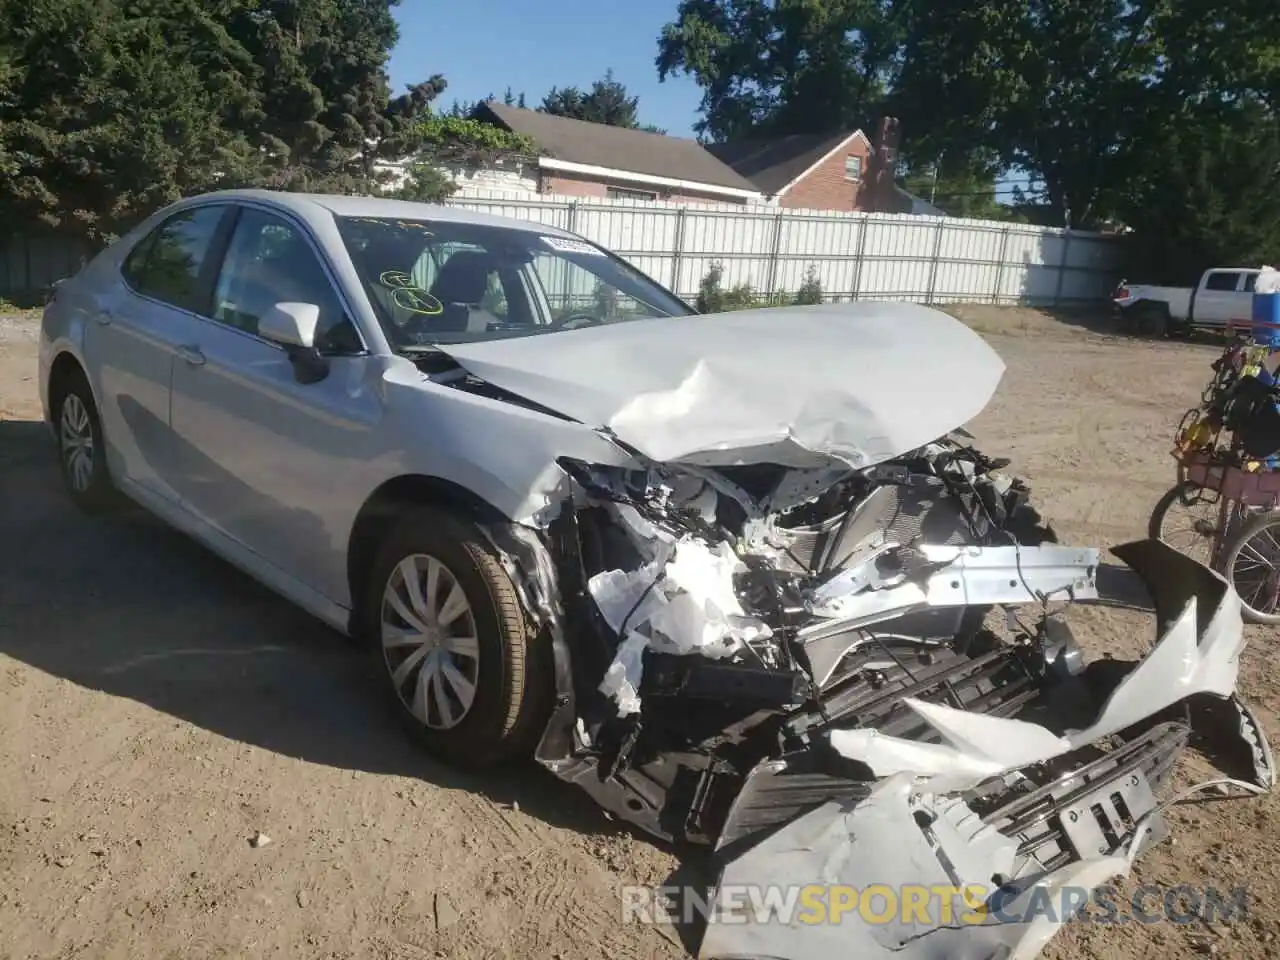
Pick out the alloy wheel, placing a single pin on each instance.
(429, 641)
(76, 438)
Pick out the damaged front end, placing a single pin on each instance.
(800, 666)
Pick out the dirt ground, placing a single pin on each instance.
(158, 710)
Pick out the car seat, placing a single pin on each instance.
(460, 288)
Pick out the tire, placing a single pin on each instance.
(1235, 547)
(1150, 320)
(1156, 526)
(509, 673)
(82, 450)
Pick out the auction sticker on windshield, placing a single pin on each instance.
(563, 245)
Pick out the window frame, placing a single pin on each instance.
(217, 254)
(299, 228)
(1237, 276)
(205, 281)
(629, 193)
(856, 178)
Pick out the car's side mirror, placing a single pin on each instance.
(293, 326)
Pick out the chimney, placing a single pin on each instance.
(884, 166)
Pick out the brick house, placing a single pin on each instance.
(580, 159)
(814, 172)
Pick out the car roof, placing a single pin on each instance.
(346, 206)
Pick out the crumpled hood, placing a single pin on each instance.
(862, 382)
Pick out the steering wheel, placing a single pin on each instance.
(575, 320)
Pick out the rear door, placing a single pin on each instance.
(140, 324)
(1222, 298)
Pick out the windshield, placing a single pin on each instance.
(437, 282)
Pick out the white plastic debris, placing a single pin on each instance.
(682, 603)
(1186, 661)
(622, 679)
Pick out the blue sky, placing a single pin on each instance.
(485, 46)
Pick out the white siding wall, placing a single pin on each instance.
(857, 256)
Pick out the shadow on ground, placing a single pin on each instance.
(1118, 586)
(122, 604)
(1089, 318)
(1097, 319)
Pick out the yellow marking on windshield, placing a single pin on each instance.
(396, 278)
(416, 300)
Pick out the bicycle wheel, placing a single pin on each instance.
(1186, 518)
(1252, 566)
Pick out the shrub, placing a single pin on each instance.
(714, 298)
(606, 298)
(810, 291)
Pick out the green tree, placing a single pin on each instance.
(461, 142)
(1069, 91)
(792, 66)
(966, 188)
(810, 291)
(1206, 195)
(449, 142)
(329, 115)
(112, 109)
(606, 102)
(465, 108)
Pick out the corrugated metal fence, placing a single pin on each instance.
(856, 256)
(30, 262)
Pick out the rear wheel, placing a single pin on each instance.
(1252, 565)
(1150, 320)
(451, 642)
(82, 453)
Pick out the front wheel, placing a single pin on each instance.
(1186, 518)
(1252, 566)
(452, 644)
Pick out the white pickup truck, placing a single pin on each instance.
(1224, 294)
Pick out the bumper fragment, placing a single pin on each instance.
(991, 815)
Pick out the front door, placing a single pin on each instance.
(138, 326)
(263, 455)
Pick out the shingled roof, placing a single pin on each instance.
(617, 148)
(774, 164)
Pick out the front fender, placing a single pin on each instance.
(503, 452)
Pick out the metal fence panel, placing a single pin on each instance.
(856, 256)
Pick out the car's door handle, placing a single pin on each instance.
(191, 353)
(104, 317)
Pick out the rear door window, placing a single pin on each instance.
(172, 263)
(1222, 281)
